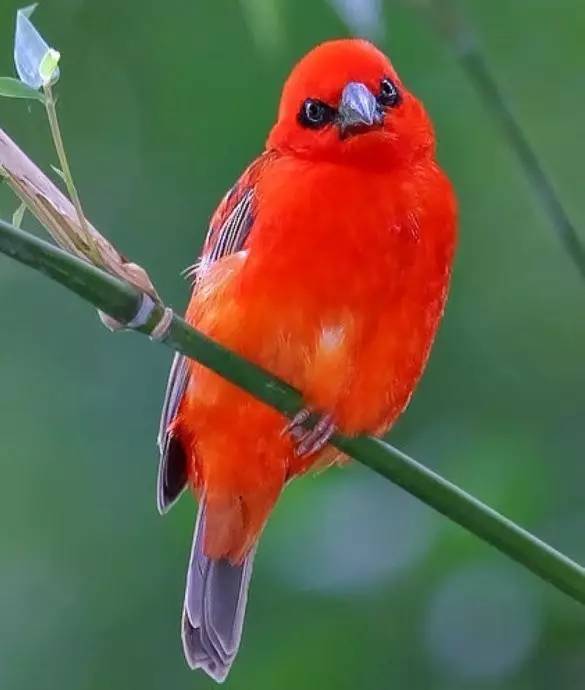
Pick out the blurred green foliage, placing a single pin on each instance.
(357, 585)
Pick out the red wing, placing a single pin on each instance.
(228, 231)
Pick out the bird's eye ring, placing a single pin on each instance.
(389, 95)
(315, 113)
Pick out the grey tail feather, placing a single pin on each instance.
(214, 608)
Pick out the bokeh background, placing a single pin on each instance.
(357, 584)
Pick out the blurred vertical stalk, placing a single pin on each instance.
(264, 18)
(452, 24)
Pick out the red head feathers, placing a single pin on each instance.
(342, 89)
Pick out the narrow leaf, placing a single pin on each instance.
(59, 172)
(13, 88)
(18, 215)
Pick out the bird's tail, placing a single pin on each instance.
(214, 608)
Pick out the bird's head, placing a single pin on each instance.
(344, 102)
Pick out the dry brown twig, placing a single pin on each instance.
(58, 216)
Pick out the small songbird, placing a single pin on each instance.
(328, 264)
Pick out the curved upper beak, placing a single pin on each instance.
(358, 107)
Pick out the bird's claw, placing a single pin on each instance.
(309, 441)
(296, 426)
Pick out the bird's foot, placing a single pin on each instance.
(309, 441)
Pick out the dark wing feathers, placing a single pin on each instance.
(172, 469)
(227, 234)
(232, 234)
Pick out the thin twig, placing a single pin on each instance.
(91, 249)
(122, 301)
(59, 216)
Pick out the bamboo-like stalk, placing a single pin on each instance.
(122, 301)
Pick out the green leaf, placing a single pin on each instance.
(59, 172)
(18, 215)
(14, 88)
(48, 70)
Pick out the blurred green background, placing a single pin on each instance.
(357, 584)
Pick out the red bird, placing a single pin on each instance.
(328, 264)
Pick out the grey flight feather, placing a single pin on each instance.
(215, 604)
(172, 468)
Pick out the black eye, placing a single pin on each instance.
(315, 113)
(389, 95)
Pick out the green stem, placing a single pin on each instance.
(121, 301)
(90, 247)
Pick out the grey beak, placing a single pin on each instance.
(358, 107)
